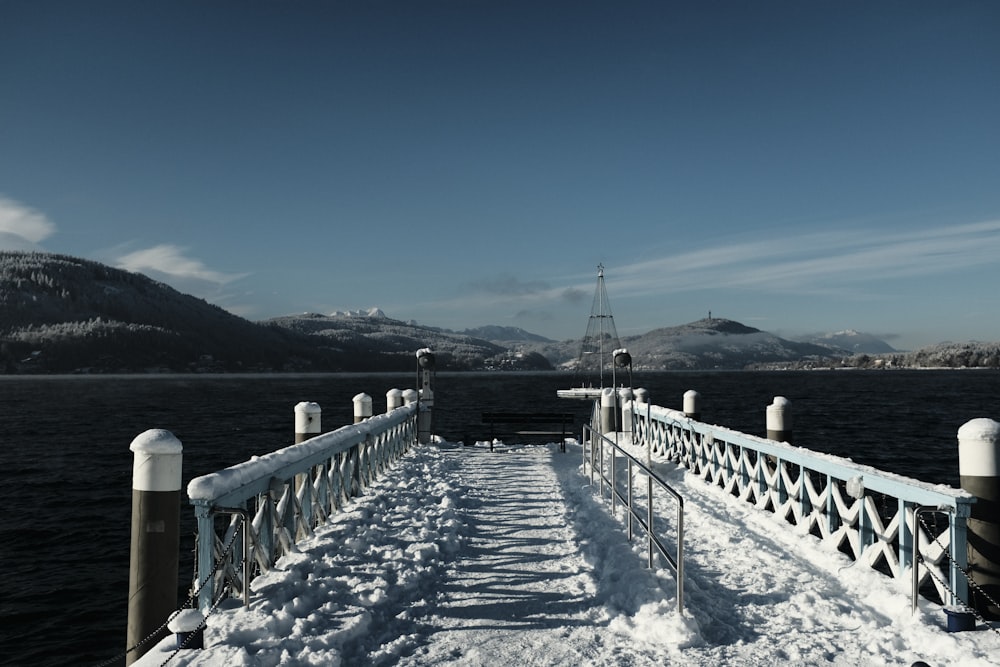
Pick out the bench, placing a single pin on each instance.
(527, 423)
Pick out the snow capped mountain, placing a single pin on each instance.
(371, 312)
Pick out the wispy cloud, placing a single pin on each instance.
(21, 227)
(817, 261)
(508, 285)
(843, 263)
(169, 263)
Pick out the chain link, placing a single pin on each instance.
(947, 587)
(204, 621)
(187, 603)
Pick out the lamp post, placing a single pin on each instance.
(425, 382)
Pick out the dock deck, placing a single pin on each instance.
(467, 557)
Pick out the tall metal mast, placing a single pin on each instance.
(601, 339)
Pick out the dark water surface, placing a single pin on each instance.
(66, 464)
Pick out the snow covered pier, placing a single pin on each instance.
(456, 555)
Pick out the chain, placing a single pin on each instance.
(187, 603)
(968, 577)
(202, 625)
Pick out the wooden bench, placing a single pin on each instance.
(527, 423)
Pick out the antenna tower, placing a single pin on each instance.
(601, 339)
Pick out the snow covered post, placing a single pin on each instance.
(608, 396)
(308, 423)
(779, 420)
(393, 399)
(625, 396)
(154, 552)
(641, 395)
(425, 363)
(692, 405)
(362, 407)
(979, 473)
(308, 417)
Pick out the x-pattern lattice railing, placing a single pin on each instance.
(865, 512)
(285, 495)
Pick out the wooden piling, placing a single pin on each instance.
(155, 543)
(692, 404)
(979, 474)
(779, 420)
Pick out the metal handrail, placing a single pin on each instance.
(596, 442)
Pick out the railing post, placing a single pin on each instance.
(979, 472)
(156, 497)
(205, 556)
(906, 554)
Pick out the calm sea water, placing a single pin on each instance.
(66, 466)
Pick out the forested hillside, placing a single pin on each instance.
(64, 314)
(61, 314)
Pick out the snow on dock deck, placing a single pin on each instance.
(464, 557)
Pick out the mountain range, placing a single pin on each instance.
(62, 314)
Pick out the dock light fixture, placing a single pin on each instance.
(622, 359)
(425, 359)
(425, 389)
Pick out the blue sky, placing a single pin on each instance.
(796, 166)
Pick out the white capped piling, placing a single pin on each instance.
(155, 544)
(608, 398)
(410, 396)
(779, 420)
(425, 366)
(308, 424)
(362, 407)
(692, 404)
(625, 396)
(641, 395)
(308, 420)
(393, 399)
(979, 473)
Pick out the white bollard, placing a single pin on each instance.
(979, 472)
(308, 418)
(641, 395)
(155, 544)
(608, 397)
(410, 396)
(625, 397)
(362, 407)
(393, 399)
(188, 627)
(779, 420)
(692, 404)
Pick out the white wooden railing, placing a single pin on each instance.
(868, 514)
(273, 501)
